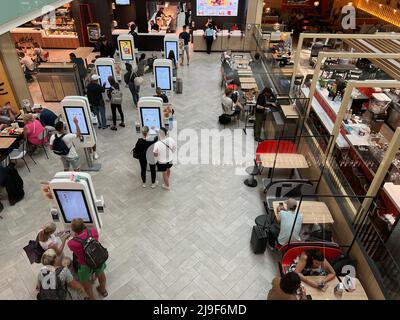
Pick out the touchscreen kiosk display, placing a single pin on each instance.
(104, 72)
(73, 205)
(126, 50)
(79, 113)
(171, 46)
(123, 2)
(163, 78)
(151, 117)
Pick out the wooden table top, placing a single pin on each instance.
(83, 52)
(247, 80)
(312, 211)
(284, 161)
(248, 86)
(241, 61)
(5, 143)
(316, 294)
(6, 132)
(289, 112)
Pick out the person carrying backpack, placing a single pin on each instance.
(54, 282)
(62, 145)
(116, 97)
(91, 257)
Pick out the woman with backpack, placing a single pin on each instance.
(116, 97)
(129, 79)
(61, 278)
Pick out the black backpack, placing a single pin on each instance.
(59, 146)
(224, 119)
(95, 254)
(58, 293)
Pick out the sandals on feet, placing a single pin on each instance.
(102, 293)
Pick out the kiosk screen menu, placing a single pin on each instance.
(163, 78)
(123, 2)
(171, 46)
(218, 8)
(151, 117)
(79, 113)
(73, 205)
(104, 72)
(126, 50)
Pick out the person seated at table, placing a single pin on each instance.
(230, 102)
(313, 263)
(40, 54)
(27, 63)
(286, 288)
(33, 132)
(7, 115)
(46, 117)
(154, 26)
(229, 75)
(280, 234)
(161, 95)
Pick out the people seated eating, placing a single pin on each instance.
(287, 287)
(313, 263)
(230, 103)
(34, 132)
(46, 117)
(7, 115)
(286, 216)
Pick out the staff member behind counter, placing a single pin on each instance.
(265, 100)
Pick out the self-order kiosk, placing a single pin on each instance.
(150, 113)
(126, 47)
(75, 198)
(171, 43)
(163, 77)
(76, 106)
(105, 67)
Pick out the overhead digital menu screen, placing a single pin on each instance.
(151, 117)
(79, 113)
(73, 205)
(217, 8)
(163, 78)
(123, 2)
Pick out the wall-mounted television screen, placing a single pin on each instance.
(217, 8)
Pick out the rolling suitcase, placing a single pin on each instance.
(179, 85)
(259, 239)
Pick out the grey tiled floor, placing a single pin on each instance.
(189, 243)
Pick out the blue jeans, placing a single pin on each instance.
(134, 92)
(100, 112)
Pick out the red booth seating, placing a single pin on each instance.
(271, 146)
(330, 253)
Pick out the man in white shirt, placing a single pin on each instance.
(72, 157)
(163, 151)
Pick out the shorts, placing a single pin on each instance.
(67, 162)
(85, 273)
(162, 167)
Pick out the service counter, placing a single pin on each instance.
(225, 41)
(58, 80)
(69, 40)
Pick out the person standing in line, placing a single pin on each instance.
(96, 100)
(186, 38)
(161, 95)
(85, 273)
(142, 64)
(265, 100)
(129, 79)
(209, 35)
(171, 56)
(188, 14)
(116, 97)
(81, 67)
(48, 239)
(191, 29)
(163, 151)
(141, 148)
(134, 34)
(62, 145)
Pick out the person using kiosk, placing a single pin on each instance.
(164, 149)
(62, 145)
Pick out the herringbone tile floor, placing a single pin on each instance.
(189, 243)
